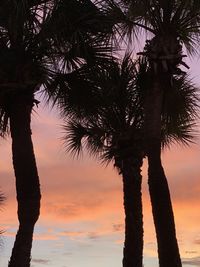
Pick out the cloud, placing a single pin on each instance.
(45, 236)
(68, 210)
(41, 261)
(67, 254)
(191, 251)
(195, 261)
(119, 242)
(72, 233)
(9, 233)
(119, 227)
(68, 207)
(150, 244)
(93, 235)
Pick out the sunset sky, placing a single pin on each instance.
(81, 222)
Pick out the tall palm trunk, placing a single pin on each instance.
(132, 179)
(168, 250)
(27, 180)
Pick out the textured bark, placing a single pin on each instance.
(168, 250)
(27, 180)
(133, 245)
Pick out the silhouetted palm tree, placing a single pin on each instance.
(171, 23)
(111, 128)
(38, 40)
(109, 122)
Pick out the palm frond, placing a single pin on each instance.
(180, 111)
(83, 29)
(182, 133)
(80, 134)
(75, 132)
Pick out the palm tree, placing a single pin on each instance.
(109, 122)
(32, 52)
(172, 24)
(110, 127)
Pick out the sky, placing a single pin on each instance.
(82, 220)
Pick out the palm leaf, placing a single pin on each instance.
(180, 111)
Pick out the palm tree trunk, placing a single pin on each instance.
(27, 180)
(168, 250)
(162, 211)
(133, 245)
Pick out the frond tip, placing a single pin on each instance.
(75, 133)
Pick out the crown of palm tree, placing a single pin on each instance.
(112, 125)
(171, 23)
(43, 38)
(179, 19)
(115, 114)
